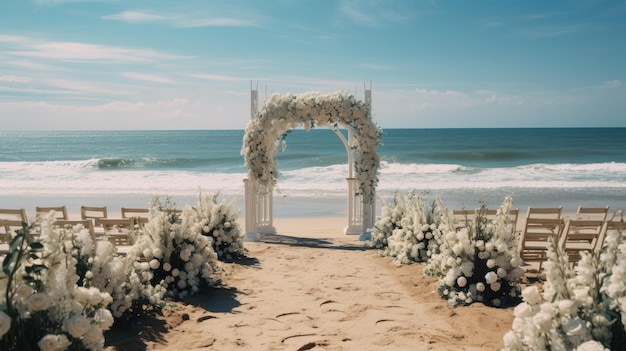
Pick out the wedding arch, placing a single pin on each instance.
(281, 113)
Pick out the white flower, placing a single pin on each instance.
(167, 266)
(495, 286)
(512, 341)
(491, 263)
(591, 345)
(567, 307)
(93, 335)
(480, 286)
(5, 323)
(491, 277)
(154, 264)
(38, 302)
(77, 325)
(52, 342)
(523, 310)
(461, 281)
(531, 295)
(104, 318)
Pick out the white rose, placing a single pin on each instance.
(512, 341)
(93, 335)
(104, 317)
(157, 253)
(38, 302)
(50, 342)
(495, 286)
(531, 295)
(523, 310)
(461, 281)
(567, 307)
(480, 286)
(167, 266)
(77, 325)
(491, 277)
(154, 264)
(5, 323)
(491, 263)
(591, 345)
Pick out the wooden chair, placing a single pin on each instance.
(10, 221)
(117, 230)
(140, 215)
(582, 235)
(93, 212)
(543, 226)
(59, 211)
(592, 213)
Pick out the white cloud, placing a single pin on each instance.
(219, 78)
(611, 84)
(215, 22)
(84, 87)
(15, 79)
(75, 51)
(182, 20)
(553, 31)
(148, 77)
(134, 17)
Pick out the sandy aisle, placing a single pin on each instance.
(312, 288)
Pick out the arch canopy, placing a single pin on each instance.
(281, 113)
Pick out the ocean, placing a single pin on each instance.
(540, 167)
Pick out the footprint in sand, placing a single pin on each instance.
(333, 310)
(293, 317)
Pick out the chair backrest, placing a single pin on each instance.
(545, 212)
(140, 215)
(13, 214)
(10, 221)
(85, 223)
(582, 235)
(592, 213)
(543, 226)
(60, 212)
(93, 212)
(128, 212)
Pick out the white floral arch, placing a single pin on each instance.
(281, 113)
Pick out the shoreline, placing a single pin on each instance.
(298, 207)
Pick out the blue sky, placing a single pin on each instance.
(188, 64)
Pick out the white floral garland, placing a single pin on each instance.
(284, 112)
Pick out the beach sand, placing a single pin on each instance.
(310, 287)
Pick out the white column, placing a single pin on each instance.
(250, 195)
(355, 210)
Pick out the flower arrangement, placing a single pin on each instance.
(42, 307)
(219, 221)
(284, 112)
(405, 230)
(579, 308)
(172, 252)
(476, 263)
(389, 220)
